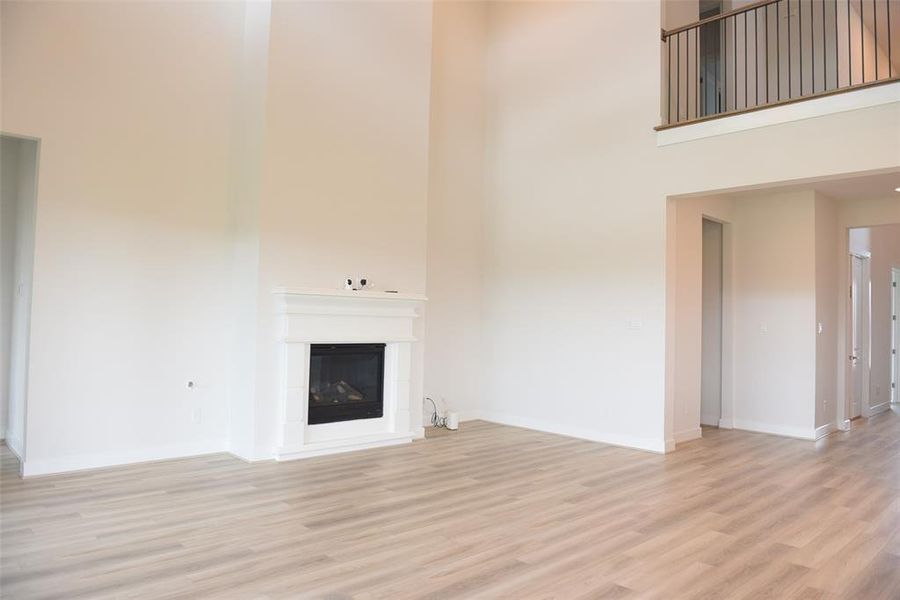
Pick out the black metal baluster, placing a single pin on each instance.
(766, 30)
(778, 49)
(837, 67)
(800, 39)
(824, 49)
(703, 83)
(669, 79)
(756, 56)
(862, 42)
(790, 52)
(890, 56)
(812, 42)
(734, 43)
(724, 34)
(746, 64)
(697, 71)
(678, 77)
(875, 34)
(849, 48)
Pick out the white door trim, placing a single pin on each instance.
(895, 337)
(864, 359)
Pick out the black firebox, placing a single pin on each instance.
(346, 382)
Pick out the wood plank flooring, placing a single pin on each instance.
(488, 512)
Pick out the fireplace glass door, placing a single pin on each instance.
(346, 382)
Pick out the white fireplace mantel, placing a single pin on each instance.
(315, 316)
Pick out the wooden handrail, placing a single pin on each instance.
(714, 18)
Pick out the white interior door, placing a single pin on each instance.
(856, 336)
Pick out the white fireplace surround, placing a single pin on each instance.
(310, 316)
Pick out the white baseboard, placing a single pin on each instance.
(80, 462)
(874, 410)
(726, 424)
(825, 430)
(657, 445)
(799, 433)
(15, 446)
(688, 435)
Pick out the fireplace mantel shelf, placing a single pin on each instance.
(334, 293)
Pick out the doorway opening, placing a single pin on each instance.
(18, 187)
(712, 320)
(871, 334)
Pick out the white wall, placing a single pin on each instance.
(576, 216)
(344, 178)
(826, 274)
(775, 311)
(136, 273)
(712, 307)
(132, 235)
(455, 200)
(253, 149)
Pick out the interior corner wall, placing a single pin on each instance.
(827, 244)
(454, 343)
(244, 193)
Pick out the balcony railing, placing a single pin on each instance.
(775, 52)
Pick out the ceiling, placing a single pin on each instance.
(860, 188)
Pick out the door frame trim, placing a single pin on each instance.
(895, 337)
(846, 406)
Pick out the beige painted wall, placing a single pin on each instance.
(826, 274)
(137, 210)
(456, 196)
(344, 185)
(576, 217)
(770, 347)
(132, 104)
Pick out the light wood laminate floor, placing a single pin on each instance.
(488, 512)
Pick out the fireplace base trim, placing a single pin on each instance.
(378, 440)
